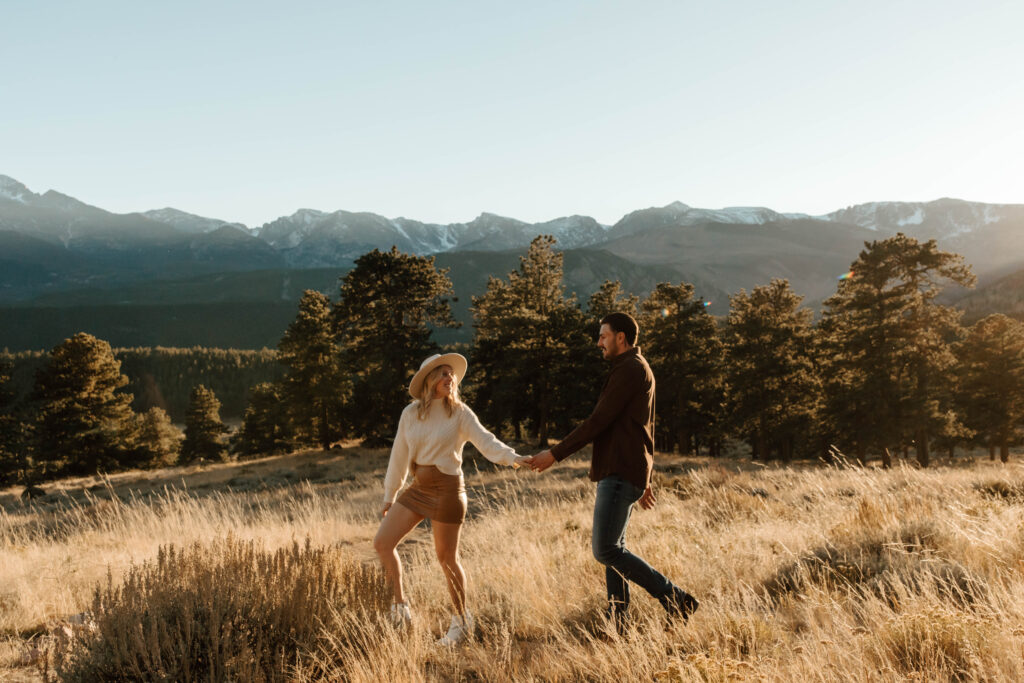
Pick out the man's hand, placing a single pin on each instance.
(647, 500)
(384, 509)
(542, 461)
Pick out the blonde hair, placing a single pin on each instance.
(427, 393)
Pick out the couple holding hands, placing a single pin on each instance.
(433, 430)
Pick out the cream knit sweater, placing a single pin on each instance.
(438, 440)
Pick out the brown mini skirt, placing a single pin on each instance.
(435, 495)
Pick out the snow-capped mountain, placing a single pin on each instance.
(941, 219)
(313, 238)
(490, 232)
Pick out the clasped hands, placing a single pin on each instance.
(538, 462)
(544, 460)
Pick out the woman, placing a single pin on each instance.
(431, 434)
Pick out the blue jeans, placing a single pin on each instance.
(614, 504)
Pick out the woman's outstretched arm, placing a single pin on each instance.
(487, 443)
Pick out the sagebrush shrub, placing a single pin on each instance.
(229, 611)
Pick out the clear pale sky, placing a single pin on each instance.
(441, 110)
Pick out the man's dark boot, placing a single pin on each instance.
(679, 604)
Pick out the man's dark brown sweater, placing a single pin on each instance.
(622, 424)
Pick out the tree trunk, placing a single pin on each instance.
(923, 457)
(952, 451)
(325, 428)
(1004, 451)
(992, 450)
(886, 459)
(542, 428)
(684, 441)
(519, 431)
(762, 446)
(786, 449)
(862, 453)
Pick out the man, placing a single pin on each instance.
(621, 428)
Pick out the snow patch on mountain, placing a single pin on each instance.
(916, 219)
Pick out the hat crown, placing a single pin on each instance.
(429, 360)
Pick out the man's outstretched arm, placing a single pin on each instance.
(622, 386)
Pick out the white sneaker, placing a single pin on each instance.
(461, 629)
(401, 615)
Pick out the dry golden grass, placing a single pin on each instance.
(804, 573)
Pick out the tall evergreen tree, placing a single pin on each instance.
(314, 386)
(682, 344)
(81, 416)
(991, 387)
(771, 378)
(204, 432)
(612, 298)
(267, 428)
(888, 345)
(389, 304)
(532, 351)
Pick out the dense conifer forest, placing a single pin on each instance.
(886, 369)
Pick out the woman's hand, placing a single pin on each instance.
(522, 460)
(384, 509)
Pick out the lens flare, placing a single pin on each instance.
(706, 304)
(664, 313)
(846, 276)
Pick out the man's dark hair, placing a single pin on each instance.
(624, 323)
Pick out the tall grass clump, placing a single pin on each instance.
(229, 611)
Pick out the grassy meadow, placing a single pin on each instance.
(804, 573)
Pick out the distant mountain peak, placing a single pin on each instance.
(12, 189)
(59, 200)
(487, 217)
(190, 222)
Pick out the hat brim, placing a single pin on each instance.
(457, 361)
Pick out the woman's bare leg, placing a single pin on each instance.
(397, 524)
(446, 543)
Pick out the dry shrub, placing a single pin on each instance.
(962, 647)
(1011, 492)
(699, 481)
(892, 561)
(231, 611)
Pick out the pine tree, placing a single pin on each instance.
(204, 432)
(888, 347)
(81, 416)
(314, 386)
(531, 352)
(156, 440)
(611, 298)
(267, 428)
(771, 377)
(681, 343)
(390, 302)
(990, 392)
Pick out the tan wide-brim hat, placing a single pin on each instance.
(456, 360)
